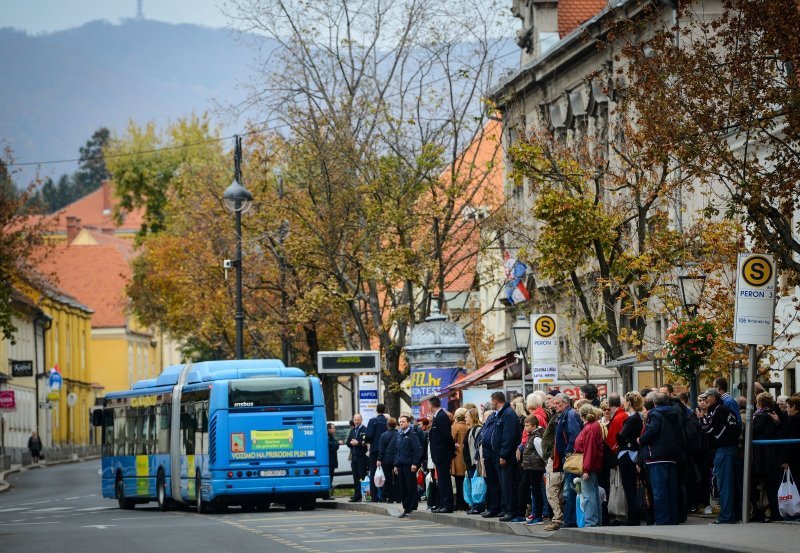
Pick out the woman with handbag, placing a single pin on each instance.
(457, 466)
(471, 455)
(589, 445)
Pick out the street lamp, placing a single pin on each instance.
(692, 283)
(238, 200)
(521, 330)
(283, 234)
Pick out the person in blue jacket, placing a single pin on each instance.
(408, 454)
(567, 430)
(505, 439)
(489, 466)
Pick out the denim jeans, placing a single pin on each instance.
(546, 510)
(570, 520)
(724, 460)
(590, 495)
(664, 483)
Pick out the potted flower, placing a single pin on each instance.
(689, 344)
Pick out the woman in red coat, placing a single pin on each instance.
(590, 443)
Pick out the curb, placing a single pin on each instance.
(5, 486)
(567, 535)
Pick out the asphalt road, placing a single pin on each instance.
(59, 509)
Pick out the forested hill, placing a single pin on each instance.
(58, 88)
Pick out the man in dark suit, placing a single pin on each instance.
(375, 427)
(407, 459)
(442, 451)
(359, 461)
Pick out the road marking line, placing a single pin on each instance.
(16, 523)
(437, 547)
(71, 498)
(11, 509)
(449, 534)
(37, 502)
(96, 509)
(50, 509)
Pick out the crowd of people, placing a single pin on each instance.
(548, 459)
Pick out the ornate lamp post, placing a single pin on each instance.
(238, 200)
(692, 283)
(521, 330)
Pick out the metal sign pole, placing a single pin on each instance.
(748, 434)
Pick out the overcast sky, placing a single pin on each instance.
(44, 16)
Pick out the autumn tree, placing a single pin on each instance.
(381, 99)
(22, 241)
(720, 96)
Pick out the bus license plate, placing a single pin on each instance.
(273, 473)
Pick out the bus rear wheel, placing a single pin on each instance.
(292, 505)
(199, 504)
(122, 501)
(161, 491)
(309, 504)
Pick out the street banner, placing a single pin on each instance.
(545, 373)
(368, 396)
(8, 401)
(544, 338)
(755, 299)
(426, 383)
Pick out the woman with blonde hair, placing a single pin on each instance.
(457, 466)
(628, 453)
(590, 443)
(471, 454)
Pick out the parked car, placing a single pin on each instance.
(343, 475)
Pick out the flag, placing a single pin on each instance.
(515, 290)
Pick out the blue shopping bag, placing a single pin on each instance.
(468, 491)
(478, 489)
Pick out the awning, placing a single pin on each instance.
(479, 375)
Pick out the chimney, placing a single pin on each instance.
(73, 227)
(106, 186)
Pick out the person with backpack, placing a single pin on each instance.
(533, 468)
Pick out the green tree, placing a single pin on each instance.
(92, 169)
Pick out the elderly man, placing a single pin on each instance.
(567, 429)
(359, 461)
(722, 429)
(505, 440)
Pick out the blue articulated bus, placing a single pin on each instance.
(214, 434)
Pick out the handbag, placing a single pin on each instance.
(617, 504)
(380, 477)
(788, 498)
(478, 489)
(574, 463)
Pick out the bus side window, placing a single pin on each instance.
(120, 425)
(188, 426)
(163, 428)
(201, 437)
(108, 432)
(152, 442)
(130, 431)
(143, 431)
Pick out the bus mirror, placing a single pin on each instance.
(97, 417)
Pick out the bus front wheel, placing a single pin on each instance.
(161, 491)
(122, 501)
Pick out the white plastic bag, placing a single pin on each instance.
(788, 498)
(380, 477)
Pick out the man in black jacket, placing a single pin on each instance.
(443, 448)
(408, 453)
(505, 439)
(375, 427)
(359, 461)
(333, 451)
(722, 428)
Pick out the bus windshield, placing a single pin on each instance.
(269, 392)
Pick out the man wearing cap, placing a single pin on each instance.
(722, 429)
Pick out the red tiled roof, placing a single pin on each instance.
(96, 276)
(95, 210)
(571, 13)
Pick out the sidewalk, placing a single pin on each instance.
(696, 536)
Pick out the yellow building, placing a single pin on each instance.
(64, 414)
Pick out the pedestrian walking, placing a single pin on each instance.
(35, 447)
